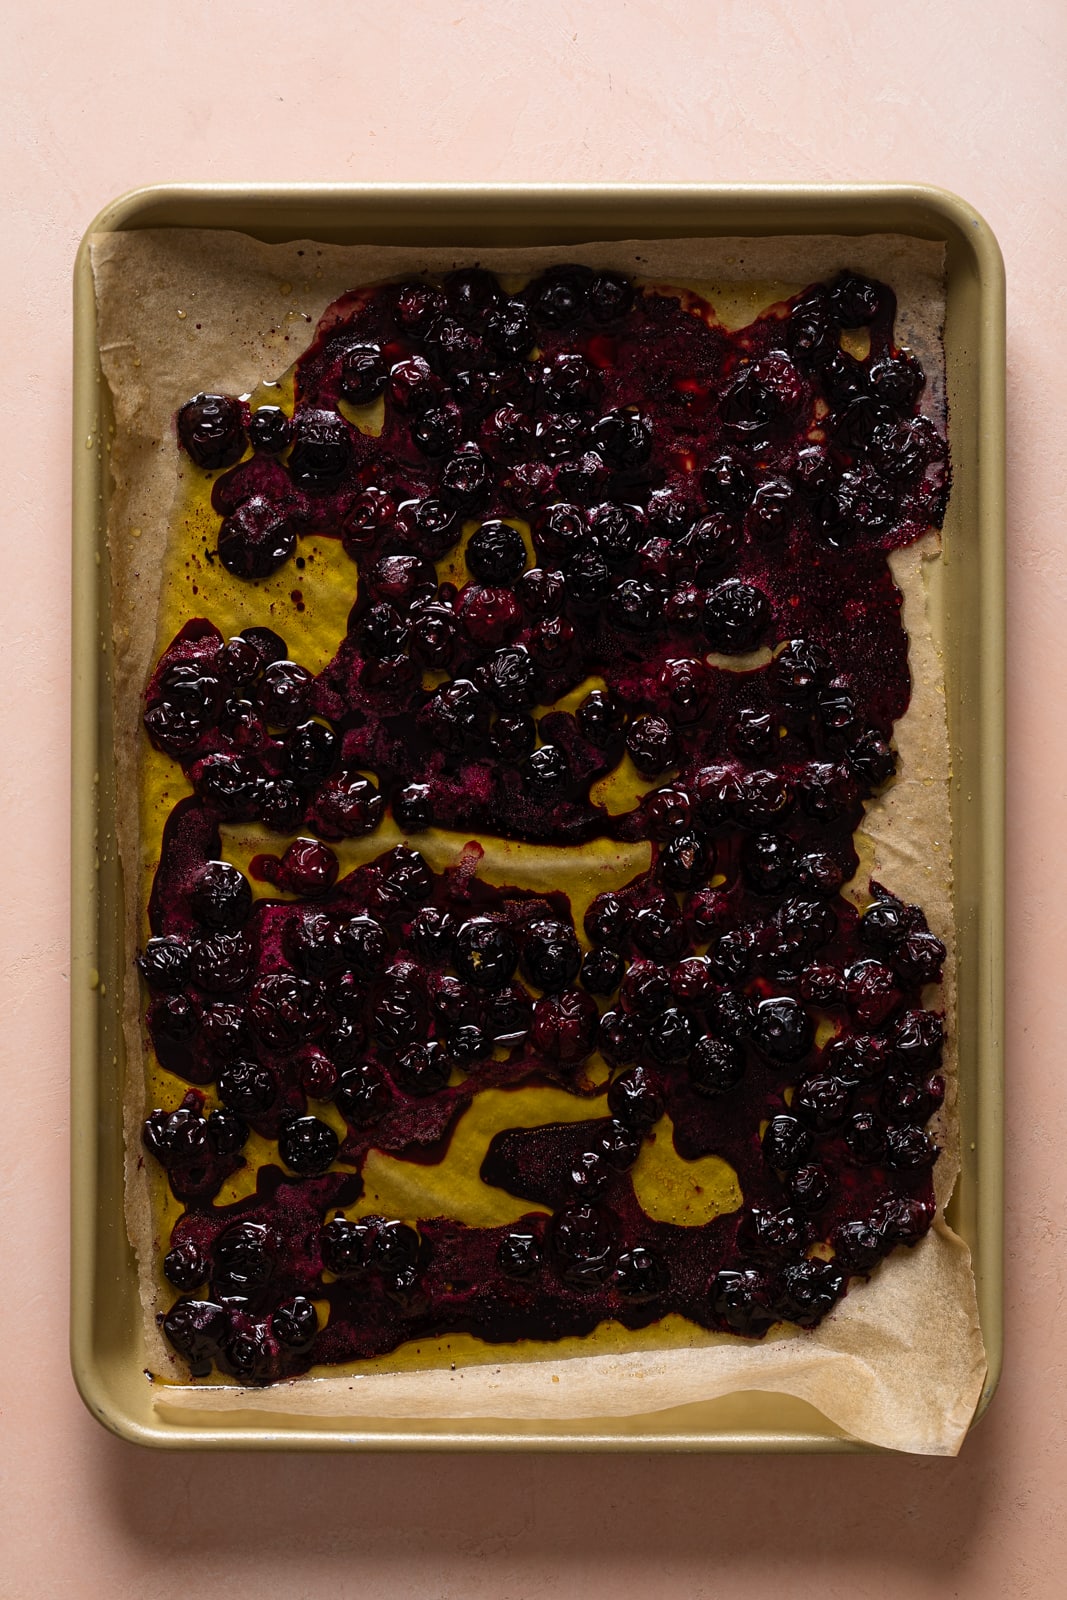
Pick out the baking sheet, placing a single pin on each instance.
(237, 310)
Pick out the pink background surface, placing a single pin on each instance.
(968, 94)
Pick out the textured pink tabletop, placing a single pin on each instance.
(969, 94)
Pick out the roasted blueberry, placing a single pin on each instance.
(639, 1275)
(508, 1014)
(671, 1036)
(484, 953)
(872, 991)
(509, 331)
(551, 955)
(858, 1245)
(619, 1038)
(624, 439)
(727, 486)
(607, 920)
(363, 373)
(465, 477)
(897, 381)
(222, 897)
(716, 1066)
(362, 1094)
(519, 1253)
(365, 944)
(164, 963)
(457, 715)
(873, 759)
(811, 330)
(281, 805)
(473, 294)
(635, 1098)
(583, 1245)
(423, 1069)
(295, 1323)
(312, 748)
(601, 971)
(807, 1290)
(856, 1058)
(345, 1247)
(658, 930)
(226, 1132)
(619, 1144)
(432, 932)
(248, 1088)
(322, 448)
(559, 297)
(645, 990)
(736, 616)
(221, 963)
(588, 579)
(185, 1266)
(786, 1143)
(466, 1043)
(413, 807)
(610, 297)
(684, 860)
(510, 678)
(256, 539)
(854, 300)
(636, 604)
(909, 1147)
(394, 1251)
(904, 1219)
(496, 554)
(211, 429)
(770, 1235)
(547, 770)
(916, 1040)
(600, 718)
(920, 957)
(513, 735)
(564, 1025)
(652, 744)
(770, 516)
(269, 430)
(196, 1329)
(541, 591)
(809, 1187)
(308, 1146)
(308, 868)
(243, 1258)
(782, 1029)
(865, 1135)
(284, 1010)
(383, 633)
(823, 1101)
(740, 1299)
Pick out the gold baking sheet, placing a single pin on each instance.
(724, 220)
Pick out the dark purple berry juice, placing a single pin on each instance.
(612, 574)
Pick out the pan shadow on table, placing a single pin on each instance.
(485, 1522)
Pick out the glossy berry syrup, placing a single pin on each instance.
(682, 533)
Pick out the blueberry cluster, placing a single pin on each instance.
(698, 522)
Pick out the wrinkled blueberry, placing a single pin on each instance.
(308, 1146)
(716, 1066)
(786, 1143)
(211, 429)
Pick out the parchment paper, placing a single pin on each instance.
(900, 1363)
